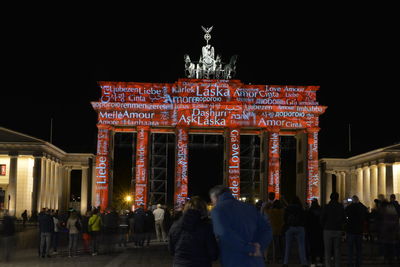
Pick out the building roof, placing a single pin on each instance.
(10, 136)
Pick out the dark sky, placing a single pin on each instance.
(53, 62)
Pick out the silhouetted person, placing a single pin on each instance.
(110, 227)
(85, 232)
(294, 218)
(275, 216)
(123, 228)
(24, 216)
(191, 238)
(73, 233)
(242, 232)
(8, 236)
(149, 226)
(395, 203)
(388, 227)
(332, 220)
(314, 232)
(356, 214)
(46, 227)
(139, 218)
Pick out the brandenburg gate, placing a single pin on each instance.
(208, 101)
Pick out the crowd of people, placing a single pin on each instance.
(238, 233)
(321, 231)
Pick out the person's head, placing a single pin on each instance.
(271, 196)
(216, 191)
(314, 203)
(355, 199)
(392, 197)
(334, 196)
(95, 211)
(159, 206)
(381, 197)
(196, 203)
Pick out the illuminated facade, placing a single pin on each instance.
(35, 174)
(226, 107)
(366, 175)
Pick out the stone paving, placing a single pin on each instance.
(26, 254)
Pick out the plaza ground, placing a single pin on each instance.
(26, 254)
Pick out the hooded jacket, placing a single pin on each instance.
(192, 241)
(237, 225)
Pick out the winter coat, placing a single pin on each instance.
(46, 224)
(149, 222)
(356, 215)
(8, 226)
(276, 219)
(333, 216)
(236, 226)
(388, 220)
(192, 241)
(294, 216)
(110, 222)
(139, 221)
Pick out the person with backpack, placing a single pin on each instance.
(294, 223)
(94, 227)
(191, 238)
(74, 227)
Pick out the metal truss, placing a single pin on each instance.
(159, 167)
(250, 178)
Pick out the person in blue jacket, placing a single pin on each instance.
(242, 232)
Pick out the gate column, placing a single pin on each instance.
(233, 161)
(103, 166)
(181, 167)
(274, 162)
(142, 160)
(313, 180)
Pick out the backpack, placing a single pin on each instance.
(78, 225)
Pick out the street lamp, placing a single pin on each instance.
(128, 198)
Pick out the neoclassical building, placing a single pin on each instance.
(366, 175)
(35, 174)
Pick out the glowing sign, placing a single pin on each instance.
(234, 162)
(181, 171)
(274, 163)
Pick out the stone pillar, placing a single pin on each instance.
(68, 186)
(338, 184)
(274, 162)
(233, 160)
(12, 185)
(84, 189)
(263, 165)
(347, 187)
(381, 179)
(389, 180)
(37, 171)
(42, 184)
(60, 182)
(366, 186)
(142, 152)
(301, 165)
(328, 188)
(374, 183)
(359, 190)
(51, 185)
(46, 191)
(353, 183)
(181, 167)
(313, 180)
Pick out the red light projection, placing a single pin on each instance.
(234, 162)
(199, 105)
(313, 172)
(181, 171)
(102, 166)
(141, 165)
(274, 163)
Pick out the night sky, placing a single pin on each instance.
(54, 61)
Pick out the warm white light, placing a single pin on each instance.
(128, 198)
(256, 200)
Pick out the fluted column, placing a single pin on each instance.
(374, 182)
(46, 195)
(389, 179)
(353, 183)
(12, 184)
(347, 187)
(84, 189)
(366, 186)
(328, 188)
(37, 170)
(381, 179)
(42, 184)
(359, 190)
(181, 167)
(60, 187)
(338, 184)
(51, 185)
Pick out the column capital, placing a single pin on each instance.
(313, 130)
(13, 154)
(84, 167)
